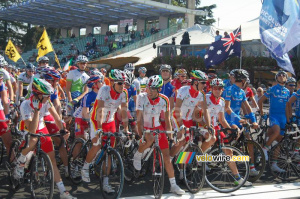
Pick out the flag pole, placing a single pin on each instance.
(23, 60)
(241, 55)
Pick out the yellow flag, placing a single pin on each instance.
(44, 45)
(57, 61)
(12, 52)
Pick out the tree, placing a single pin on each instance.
(206, 20)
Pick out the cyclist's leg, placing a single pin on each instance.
(80, 125)
(132, 124)
(4, 133)
(96, 143)
(274, 130)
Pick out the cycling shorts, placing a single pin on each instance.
(80, 126)
(163, 140)
(279, 120)
(233, 121)
(106, 127)
(50, 124)
(222, 135)
(3, 125)
(118, 119)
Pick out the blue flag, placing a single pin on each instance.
(279, 25)
(222, 49)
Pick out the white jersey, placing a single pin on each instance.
(78, 79)
(111, 102)
(214, 108)
(152, 109)
(137, 85)
(25, 79)
(190, 99)
(6, 75)
(27, 112)
(143, 83)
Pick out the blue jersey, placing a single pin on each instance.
(54, 96)
(227, 83)
(88, 100)
(236, 96)
(131, 91)
(297, 102)
(278, 96)
(168, 90)
(2, 87)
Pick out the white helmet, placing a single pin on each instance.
(44, 58)
(130, 77)
(217, 82)
(155, 81)
(142, 69)
(129, 66)
(165, 67)
(81, 59)
(291, 80)
(117, 75)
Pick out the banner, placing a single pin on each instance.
(44, 45)
(279, 25)
(123, 23)
(12, 52)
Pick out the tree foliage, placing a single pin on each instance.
(206, 20)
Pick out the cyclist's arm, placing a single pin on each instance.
(288, 108)
(205, 111)
(140, 128)
(10, 90)
(68, 90)
(252, 99)
(177, 111)
(124, 108)
(247, 107)
(32, 123)
(223, 121)
(171, 99)
(15, 86)
(4, 101)
(85, 113)
(168, 123)
(85, 91)
(100, 107)
(134, 99)
(227, 107)
(57, 106)
(56, 117)
(61, 91)
(260, 104)
(20, 93)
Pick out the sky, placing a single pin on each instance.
(233, 13)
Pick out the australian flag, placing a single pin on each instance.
(222, 49)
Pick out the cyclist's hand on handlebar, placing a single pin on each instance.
(254, 125)
(65, 133)
(243, 121)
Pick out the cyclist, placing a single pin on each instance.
(250, 95)
(278, 96)
(131, 68)
(216, 104)
(181, 74)
(76, 79)
(149, 107)
(188, 97)
(4, 114)
(32, 113)
(211, 74)
(43, 62)
(235, 98)
(142, 78)
(108, 100)
(106, 80)
(12, 77)
(6, 78)
(24, 80)
(291, 85)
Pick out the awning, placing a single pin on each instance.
(269, 75)
(118, 62)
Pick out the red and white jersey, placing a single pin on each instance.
(249, 92)
(112, 100)
(190, 99)
(214, 107)
(152, 108)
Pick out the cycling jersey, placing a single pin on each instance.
(227, 83)
(87, 101)
(136, 83)
(249, 93)
(152, 109)
(12, 78)
(78, 79)
(25, 79)
(297, 103)
(168, 90)
(27, 111)
(278, 96)
(6, 75)
(131, 92)
(176, 83)
(2, 88)
(236, 96)
(143, 82)
(214, 107)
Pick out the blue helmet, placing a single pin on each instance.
(51, 75)
(93, 80)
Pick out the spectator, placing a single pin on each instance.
(90, 35)
(218, 37)
(94, 43)
(111, 33)
(73, 35)
(226, 35)
(132, 36)
(88, 46)
(126, 29)
(123, 44)
(110, 46)
(59, 52)
(152, 31)
(142, 35)
(73, 47)
(260, 93)
(105, 39)
(120, 41)
(107, 33)
(115, 46)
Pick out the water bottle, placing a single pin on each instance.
(28, 158)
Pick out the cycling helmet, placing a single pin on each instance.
(181, 72)
(10, 66)
(240, 74)
(155, 81)
(130, 77)
(30, 66)
(129, 66)
(1, 75)
(279, 73)
(291, 80)
(165, 67)
(117, 75)
(142, 69)
(44, 58)
(248, 81)
(5, 63)
(217, 82)
(41, 87)
(198, 75)
(52, 75)
(232, 72)
(175, 75)
(95, 72)
(93, 80)
(81, 59)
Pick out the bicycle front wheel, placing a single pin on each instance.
(158, 172)
(42, 177)
(111, 173)
(220, 176)
(194, 173)
(11, 164)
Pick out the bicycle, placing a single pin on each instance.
(220, 171)
(38, 168)
(284, 154)
(99, 166)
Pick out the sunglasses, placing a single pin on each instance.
(120, 83)
(153, 89)
(44, 62)
(218, 88)
(259, 91)
(203, 83)
(281, 75)
(165, 71)
(31, 71)
(292, 85)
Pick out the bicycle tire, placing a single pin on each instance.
(285, 161)
(259, 157)
(11, 164)
(194, 173)
(116, 171)
(75, 165)
(210, 176)
(158, 176)
(36, 181)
